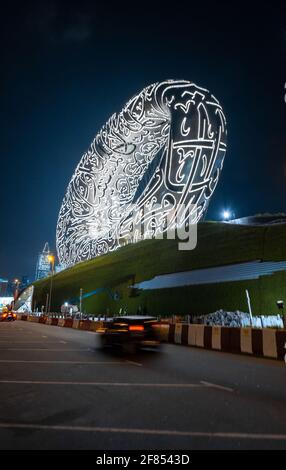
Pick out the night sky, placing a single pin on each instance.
(67, 66)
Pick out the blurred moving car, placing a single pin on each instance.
(7, 315)
(130, 332)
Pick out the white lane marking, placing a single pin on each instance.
(102, 384)
(63, 342)
(43, 349)
(31, 342)
(134, 363)
(11, 361)
(219, 387)
(43, 336)
(160, 432)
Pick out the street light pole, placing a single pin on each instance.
(51, 259)
(80, 302)
(47, 304)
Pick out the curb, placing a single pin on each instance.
(86, 325)
(265, 342)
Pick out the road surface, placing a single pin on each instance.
(58, 392)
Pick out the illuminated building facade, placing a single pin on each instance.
(161, 155)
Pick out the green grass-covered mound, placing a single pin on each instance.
(218, 244)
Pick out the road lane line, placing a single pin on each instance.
(20, 361)
(134, 363)
(31, 342)
(219, 387)
(44, 349)
(102, 384)
(158, 432)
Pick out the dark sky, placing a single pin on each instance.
(67, 66)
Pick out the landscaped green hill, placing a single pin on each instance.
(218, 244)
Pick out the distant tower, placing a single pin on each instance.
(43, 268)
(3, 287)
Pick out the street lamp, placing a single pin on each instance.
(51, 259)
(227, 214)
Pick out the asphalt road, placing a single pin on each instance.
(58, 392)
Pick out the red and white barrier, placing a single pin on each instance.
(259, 342)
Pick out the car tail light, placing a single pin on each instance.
(5, 315)
(136, 328)
(14, 315)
